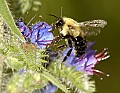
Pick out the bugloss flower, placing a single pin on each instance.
(87, 61)
(38, 34)
(24, 29)
(41, 35)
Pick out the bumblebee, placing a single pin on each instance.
(75, 33)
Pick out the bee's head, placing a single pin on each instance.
(59, 23)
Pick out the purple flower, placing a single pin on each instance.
(41, 35)
(38, 34)
(24, 29)
(86, 62)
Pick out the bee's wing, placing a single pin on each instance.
(92, 27)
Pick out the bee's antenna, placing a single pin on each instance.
(61, 11)
(53, 16)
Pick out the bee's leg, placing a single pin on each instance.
(57, 39)
(69, 51)
(61, 46)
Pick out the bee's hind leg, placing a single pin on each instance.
(69, 51)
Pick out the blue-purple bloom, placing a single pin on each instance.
(24, 29)
(87, 61)
(38, 34)
(41, 35)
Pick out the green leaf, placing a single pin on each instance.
(14, 63)
(54, 81)
(27, 80)
(6, 14)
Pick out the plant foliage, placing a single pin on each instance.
(22, 68)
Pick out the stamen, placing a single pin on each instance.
(107, 75)
(106, 57)
(101, 53)
(102, 58)
(96, 74)
(98, 71)
(101, 78)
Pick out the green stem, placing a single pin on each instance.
(54, 81)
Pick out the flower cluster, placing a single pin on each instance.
(86, 62)
(38, 34)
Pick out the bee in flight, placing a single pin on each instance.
(75, 33)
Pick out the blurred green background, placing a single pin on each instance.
(82, 10)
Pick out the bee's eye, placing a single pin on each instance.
(59, 23)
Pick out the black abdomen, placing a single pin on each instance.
(80, 45)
